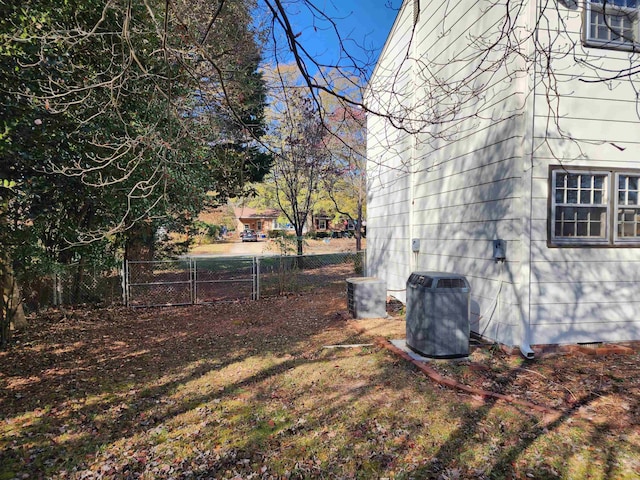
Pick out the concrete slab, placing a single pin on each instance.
(402, 345)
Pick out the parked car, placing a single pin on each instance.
(249, 236)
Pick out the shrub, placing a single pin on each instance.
(280, 234)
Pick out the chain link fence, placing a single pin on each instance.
(289, 274)
(190, 280)
(155, 283)
(71, 285)
(197, 280)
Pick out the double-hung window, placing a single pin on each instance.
(580, 207)
(612, 23)
(583, 203)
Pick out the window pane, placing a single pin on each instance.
(602, 32)
(558, 229)
(568, 230)
(572, 196)
(622, 182)
(569, 213)
(628, 225)
(615, 23)
(598, 182)
(559, 196)
(572, 180)
(585, 181)
(597, 197)
(580, 222)
(628, 190)
(625, 229)
(585, 196)
(598, 222)
(583, 230)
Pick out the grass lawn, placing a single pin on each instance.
(246, 390)
(234, 246)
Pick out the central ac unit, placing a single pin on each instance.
(367, 297)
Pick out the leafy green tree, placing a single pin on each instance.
(121, 115)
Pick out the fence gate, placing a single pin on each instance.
(224, 278)
(189, 281)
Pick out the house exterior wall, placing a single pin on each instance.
(259, 224)
(454, 186)
(388, 149)
(582, 294)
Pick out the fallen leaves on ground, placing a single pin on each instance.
(248, 390)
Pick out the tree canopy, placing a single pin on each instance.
(121, 114)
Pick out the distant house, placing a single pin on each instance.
(259, 220)
(530, 189)
(321, 222)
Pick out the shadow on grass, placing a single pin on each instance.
(248, 390)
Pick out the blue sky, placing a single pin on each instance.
(361, 23)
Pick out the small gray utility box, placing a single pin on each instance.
(437, 317)
(367, 297)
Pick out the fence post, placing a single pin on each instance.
(253, 278)
(54, 290)
(193, 280)
(57, 290)
(125, 283)
(257, 278)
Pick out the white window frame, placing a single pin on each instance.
(580, 192)
(322, 224)
(609, 9)
(620, 195)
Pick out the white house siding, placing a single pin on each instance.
(388, 149)
(455, 187)
(583, 294)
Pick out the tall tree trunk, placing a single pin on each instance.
(140, 243)
(299, 243)
(359, 227)
(140, 247)
(12, 316)
(78, 280)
